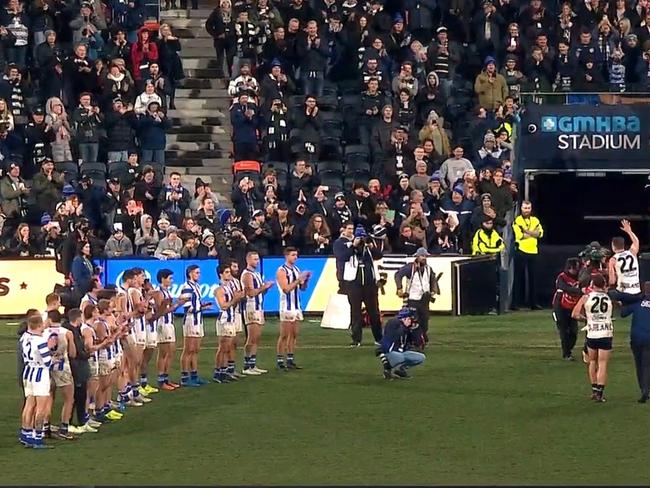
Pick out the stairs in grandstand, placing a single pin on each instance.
(199, 145)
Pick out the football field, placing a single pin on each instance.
(493, 404)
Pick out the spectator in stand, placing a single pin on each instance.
(143, 52)
(57, 120)
(170, 246)
(318, 238)
(153, 126)
(148, 96)
(453, 168)
(171, 64)
(87, 121)
(258, 233)
(309, 121)
(22, 243)
(46, 187)
(207, 248)
(283, 230)
(49, 240)
(244, 118)
(501, 196)
(118, 245)
(246, 198)
(490, 86)
(245, 82)
(312, 49)
(420, 179)
(174, 199)
(220, 26)
(13, 198)
(117, 85)
(146, 237)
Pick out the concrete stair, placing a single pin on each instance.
(199, 145)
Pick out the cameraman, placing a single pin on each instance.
(355, 270)
(421, 286)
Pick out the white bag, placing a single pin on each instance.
(350, 269)
(337, 313)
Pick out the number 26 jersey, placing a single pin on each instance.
(598, 310)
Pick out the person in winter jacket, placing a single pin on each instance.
(86, 22)
(589, 77)
(220, 26)
(121, 123)
(119, 47)
(170, 61)
(490, 86)
(146, 237)
(152, 133)
(566, 297)
(78, 73)
(142, 53)
(46, 187)
(57, 119)
(244, 118)
(87, 120)
(148, 96)
(276, 138)
(174, 199)
(118, 245)
(18, 23)
(117, 84)
(515, 79)
(313, 51)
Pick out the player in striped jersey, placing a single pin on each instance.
(61, 374)
(106, 362)
(239, 318)
(228, 299)
(37, 359)
(290, 280)
(192, 327)
(137, 308)
(151, 337)
(164, 306)
(255, 289)
(90, 342)
(91, 297)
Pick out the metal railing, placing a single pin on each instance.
(585, 98)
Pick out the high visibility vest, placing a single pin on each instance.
(484, 243)
(525, 243)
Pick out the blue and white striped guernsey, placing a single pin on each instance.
(236, 285)
(193, 307)
(106, 353)
(36, 356)
(168, 318)
(94, 356)
(256, 302)
(290, 301)
(228, 314)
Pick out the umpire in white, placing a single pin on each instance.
(421, 287)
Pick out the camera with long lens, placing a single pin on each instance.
(381, 282)
(429, 297)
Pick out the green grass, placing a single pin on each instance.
(493, 404)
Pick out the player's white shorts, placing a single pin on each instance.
(94, 366)
(254, 316)
(140, 335)
(62, 377)
(151, 337)
(166, 333)
(239, 323)
(39, 388)
(290, 315)
(105, 366)
(192, 329)
(226, 329)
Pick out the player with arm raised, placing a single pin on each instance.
(595, 308)
(255, 288)
(624, 265)
(290, 281)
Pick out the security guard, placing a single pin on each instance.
(528, 230)
(487, 240)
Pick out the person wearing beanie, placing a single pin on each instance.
(489, 154)
(461, 208)
(397, 348)
(490, 87)
(355, 254)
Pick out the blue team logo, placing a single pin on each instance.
(549, 123)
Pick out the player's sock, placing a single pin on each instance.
(222, 372)
(143, 380)
(38, 436)
(26, 435)
(279, 360)
(165, 377)
(161, 379)
(231, 367)
(135, 392)
(384, 361)
(247, 362)
(216, 374)
(253, 361)
(85, 418)
(63, 428)
(194, 376)
(46, 428)
(594, 388)
(185, 377)
(290, 358)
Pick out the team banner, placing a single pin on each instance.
(24, 283)
(322, 284)
(571, 137)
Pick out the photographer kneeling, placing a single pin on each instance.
(355, 271)
(421, 286)
(394, 351)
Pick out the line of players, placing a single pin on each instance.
(591, 300)
(116, 332)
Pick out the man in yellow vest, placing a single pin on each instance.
(528, 231)
(487, 240)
